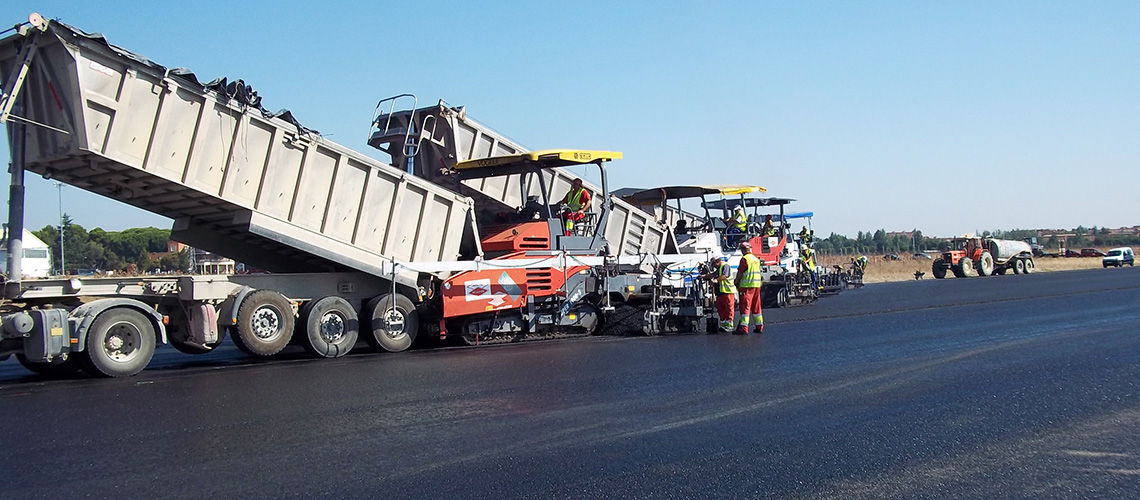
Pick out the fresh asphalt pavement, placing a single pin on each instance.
(1002, 387)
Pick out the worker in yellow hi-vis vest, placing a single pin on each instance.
(748, 281)
(737, 226)
(577, 199)
(807, 264)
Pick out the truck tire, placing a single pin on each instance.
(264, 323)
(986, 265)
(1018, 266)
(392, 322)
(119, 343)
(1029, 266)
(50, 369)
(331, 327)
(938, 269)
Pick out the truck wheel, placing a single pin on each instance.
(1018, 266)
(393, 322)
(986, 264)
(938, 268)
(1029, 266)
(1001, 271)
(50, 369)
(331, 327)
(119, 343)
(264, 323)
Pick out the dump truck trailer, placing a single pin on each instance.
(358, 247)
(429, 141)
(238, 181)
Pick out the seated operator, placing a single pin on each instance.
(769, 229)
(737, 225)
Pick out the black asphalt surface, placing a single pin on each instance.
(980, 388)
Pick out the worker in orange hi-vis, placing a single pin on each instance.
(577, 199)
(720, 272)
(748, 281)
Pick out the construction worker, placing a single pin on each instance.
(720, 272)
(748, 281)
(805, 236)
(860, 264)
(807, 264)
(577, 199)
(737, 224)
(769, 228)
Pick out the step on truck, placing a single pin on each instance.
(354, 247)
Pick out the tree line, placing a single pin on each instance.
(124, 251)
(129, 250)
(880, 242)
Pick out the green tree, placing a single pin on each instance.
(880, 239)
(95, 255)
(175, 262)
(75, 244)
(143, 262)
(74, 254)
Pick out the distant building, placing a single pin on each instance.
(209, 263)
(36, 262)
(1134, 230)
(1063, 233)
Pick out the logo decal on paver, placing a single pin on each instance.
(477, 289)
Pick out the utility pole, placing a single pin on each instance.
(62, 266)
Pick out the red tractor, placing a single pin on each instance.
(971, 255)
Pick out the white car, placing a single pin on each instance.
(1118, 257)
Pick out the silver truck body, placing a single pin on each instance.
(237, 181)
(436, 137)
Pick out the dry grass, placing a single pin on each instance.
(881, 271)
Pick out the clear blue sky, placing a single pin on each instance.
(948, 117)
